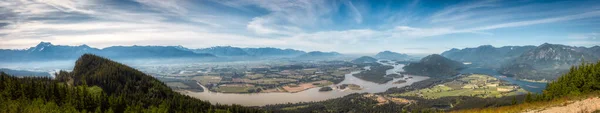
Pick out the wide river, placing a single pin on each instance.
(313, 94)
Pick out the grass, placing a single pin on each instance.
(529, 106)
(234, 89)
(472, 85)
(255, 76)
(207, 79)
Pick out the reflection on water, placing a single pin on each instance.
(535, 87)
(260, 99)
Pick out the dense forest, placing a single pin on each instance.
(99, 85)
(582, 79)
(376, 73)
(434, 66)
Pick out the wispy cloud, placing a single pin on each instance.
(345, 26)
(357, 16)
(171, 6)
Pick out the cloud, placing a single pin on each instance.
(584, 39)
(171, 6)
(539, 21)
(357, 16)
(264, 26)
(287, 16)
(449, 13)
(71, 5)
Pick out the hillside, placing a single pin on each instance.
(318, 55)
(273, 52)
(486, 55)
(434, 66)
(547, 61)
(101, 85)
(223, 51)
(391, 55)
(364, 59)
(228, 51)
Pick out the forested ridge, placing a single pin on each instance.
(582, 79)
(99, 85)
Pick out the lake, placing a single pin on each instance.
(313, 94)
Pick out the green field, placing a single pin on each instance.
(207, 79)
(234, 89)
(473, 85)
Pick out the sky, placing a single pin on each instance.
(346, 26)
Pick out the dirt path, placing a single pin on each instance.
(583, 106)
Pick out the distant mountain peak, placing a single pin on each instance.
(41, 46)
(44, 44)
(364, 59)
(486, 46)
(391, 55)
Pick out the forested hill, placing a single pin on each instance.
(434, 66)
(99, 85)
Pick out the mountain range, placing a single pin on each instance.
(228, 51)
(546, 61)
(318, 55)
(486, 55)
(46, 51)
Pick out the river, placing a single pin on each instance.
(313, 94)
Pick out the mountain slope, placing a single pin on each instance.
(228, 51)
(486, 55)
(547, 61)
(101, 85)
(273, 52)
(126, 52)
(223, 51)
(435, 66)
(364, 59)
(318, 55)
(391, 55)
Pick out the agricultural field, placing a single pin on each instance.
(204, 80)
(473, 85)
(236, 88)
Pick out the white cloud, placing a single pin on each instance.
(172, 6)
(538, 21)
(287, 16)
(357, 16)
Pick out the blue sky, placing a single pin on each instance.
(406, 26)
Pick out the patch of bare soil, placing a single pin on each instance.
(583, 106)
